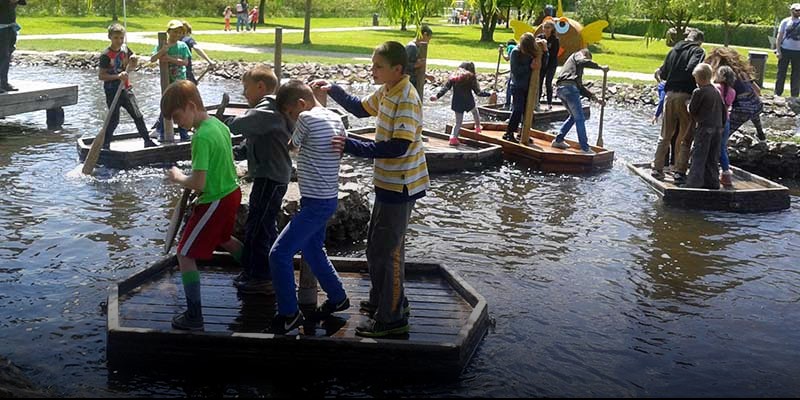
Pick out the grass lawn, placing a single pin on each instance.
(57, 25)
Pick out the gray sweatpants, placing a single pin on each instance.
(704, 170)
(386, 258)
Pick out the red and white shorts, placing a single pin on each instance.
(210, 225)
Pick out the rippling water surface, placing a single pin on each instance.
(597, 289)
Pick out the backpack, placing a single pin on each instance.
(792, 32)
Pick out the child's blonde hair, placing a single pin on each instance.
(115, 28)
(261, 73)
(702, 72)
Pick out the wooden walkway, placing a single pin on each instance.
(447, 322)
(35, 96)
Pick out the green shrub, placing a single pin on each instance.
(744, 35)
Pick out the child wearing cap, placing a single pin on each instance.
(177, 54)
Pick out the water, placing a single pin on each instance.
(597, 289)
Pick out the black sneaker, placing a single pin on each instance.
(282, 324)
(183, 322)
(255, 286)
(679, 178)
(150, 143)
(327, 308)
(8, 87)
(243, 276)
(372, 328)
(508, 137)
(368, 308)
(657, 174)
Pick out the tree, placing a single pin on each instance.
(675, 13)
(609, 10)
(409, 11)
(307, 25)
(733, 13)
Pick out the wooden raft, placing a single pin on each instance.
(35, 96)
(497, 112)
(448, 320)
(540, 154)
(750, 192)
(443, 158)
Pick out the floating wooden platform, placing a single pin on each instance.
(750, 192)
(35, 96)
(539, 154)
(448, 321)
(497, 112)
(443, 158)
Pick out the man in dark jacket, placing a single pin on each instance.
(8, 39)
(267, 137)
(679, 85)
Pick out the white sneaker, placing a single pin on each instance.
(588, 152)
(559, 145)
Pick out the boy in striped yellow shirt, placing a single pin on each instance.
(400, 178)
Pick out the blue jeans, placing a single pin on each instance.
(571, 97)
(509, 90)
(241, 22)
(184, 134)
(306, 233)
(261, 228)
(724, 162)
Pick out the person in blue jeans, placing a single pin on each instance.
(569, 90)
(318, 179)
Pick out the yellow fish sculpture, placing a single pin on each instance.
(572, 35)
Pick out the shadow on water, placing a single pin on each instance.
(596, 287)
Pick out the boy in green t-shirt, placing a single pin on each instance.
(214, 176)
(177, 54)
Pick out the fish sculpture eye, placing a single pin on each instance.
(562, 26)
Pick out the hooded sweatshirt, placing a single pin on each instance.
(266, 134)
(679, 64)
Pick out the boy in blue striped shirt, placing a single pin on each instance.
(318, 178)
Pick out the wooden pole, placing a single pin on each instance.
(423, 54)
(97, 143)
(533, 94)
(163, 68)
(278, 53)
(602, 111)
(205, 71)
(493, 96)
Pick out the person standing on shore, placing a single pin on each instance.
(787, 49)
(8, 39)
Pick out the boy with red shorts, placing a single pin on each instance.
(214, 177)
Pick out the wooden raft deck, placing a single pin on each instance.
(35, 96)
(448, 320)
(750, 192)
(542, 156)
(443, 158)
(497, 112)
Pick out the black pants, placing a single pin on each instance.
(261, 228)
(546, 81)
(517, 107)
(704, 170)
(127, 101)
(8, 43)
(793, 57)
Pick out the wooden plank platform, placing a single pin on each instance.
(448, 320)
(35, 96)
(237, 109)
(750, 192)
(497, 112)
(443, 158)
(540, 154)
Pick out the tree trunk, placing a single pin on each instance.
(727, 28)
(403, 23)
(508, 16)
(262, 5)
(488, 24)
(114, 16)
(307, 26)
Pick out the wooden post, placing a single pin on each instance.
(493, 96)
(320, 95)
(602, 111)
(278, 53)
(423, 54)
(163, 68)
(533, 95)
(307, 292)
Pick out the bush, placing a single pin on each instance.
(744, 35)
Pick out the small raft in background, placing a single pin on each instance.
(539, 154)
(498, 112)
(448, 321)
(749, 193)
(443, 158)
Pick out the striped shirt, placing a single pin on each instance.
(399, 116)
(318, 163)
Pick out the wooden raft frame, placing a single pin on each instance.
(429, 359)
(472, 154)
(753, 194)
(495, 112)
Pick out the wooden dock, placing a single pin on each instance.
(539, 154)
(497, 112)
(443, 158)
(750, 192)
(448, 320)
(35, 96)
